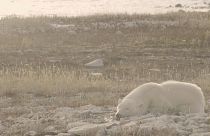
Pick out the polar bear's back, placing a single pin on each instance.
(182, 92)
(181, 84)
(144, 89)
(182, 88)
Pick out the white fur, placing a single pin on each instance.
(162, 98)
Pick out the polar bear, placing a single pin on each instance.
(161, 98)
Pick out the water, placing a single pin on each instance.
(89, 7)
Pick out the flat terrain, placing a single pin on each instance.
(45, 87)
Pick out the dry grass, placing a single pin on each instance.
(45, 61)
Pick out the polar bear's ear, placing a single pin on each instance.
(119, 100)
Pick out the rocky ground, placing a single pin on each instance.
(90, 120)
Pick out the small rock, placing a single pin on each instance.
(178, 5)
(208, 102)
(2, 128)
(72, 32)
(154, 70)
(208, 120)
(10, 118)
(88, 129)
(85, 114)
(31, 133)
(50, 130)
(101, 132)
(201, 134)
(96, 74)
(119, 32)
(64, 134)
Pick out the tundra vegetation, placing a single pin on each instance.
(42, 58)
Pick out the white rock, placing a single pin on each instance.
(90, 129)
(51, 130)
(154, 70)
(76, 124)
(95, 63)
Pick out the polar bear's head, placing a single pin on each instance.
(129, 107)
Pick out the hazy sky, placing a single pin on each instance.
(86, 7)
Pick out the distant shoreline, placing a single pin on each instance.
(100, 14)
(63, 10)
(73, 8)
